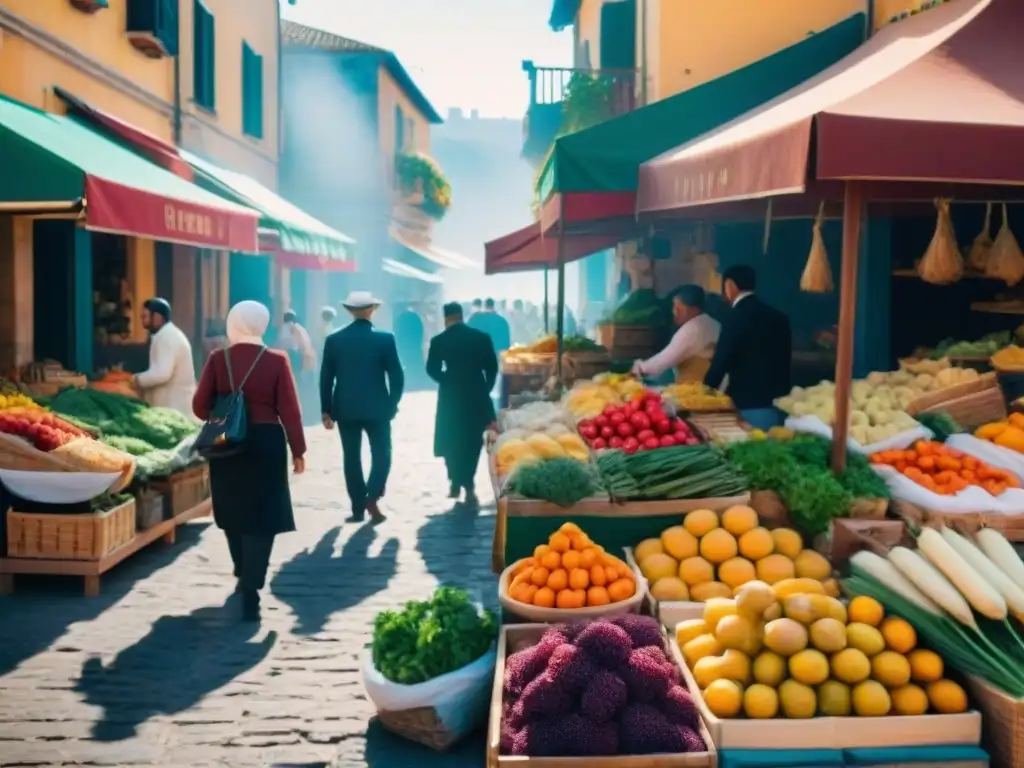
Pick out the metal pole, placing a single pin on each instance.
(853, 211)
(560, 303)
(547, 311)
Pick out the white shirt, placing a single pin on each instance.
(170, 380)
(742, 296)
(695, 338)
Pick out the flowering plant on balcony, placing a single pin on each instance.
(589, 99)
(417, 174)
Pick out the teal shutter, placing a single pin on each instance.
(252, 92)
(618, 35)
(204, 75)
(399, 130)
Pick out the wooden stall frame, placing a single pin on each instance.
(92, 570)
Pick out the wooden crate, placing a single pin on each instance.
(514, 637)
(628, 342)
(149, 509)
(184, 490)
(1004, 723)
(973, 410)
(932, 400)
(69, 537)
(834, 732)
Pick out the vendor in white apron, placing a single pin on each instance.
(692, 346)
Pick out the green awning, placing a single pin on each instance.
(51, 162)
(606, 157)
(304, 241)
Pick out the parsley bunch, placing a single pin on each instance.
(430, 638)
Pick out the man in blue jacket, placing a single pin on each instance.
(361, 383)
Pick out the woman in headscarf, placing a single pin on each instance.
(251, 499)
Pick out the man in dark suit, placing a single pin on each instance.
(361, 383)
(463, 363)
(754, 351)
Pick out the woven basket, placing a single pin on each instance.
(971, 411)
(70, 537)
(15, 453)
(421, 725)
(1003, 722)
(184, 490)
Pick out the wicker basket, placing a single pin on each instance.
(971, 411)
(931, 400)
(184, 490)
(421, 725)
(15, 453)
(1003, 722)
(70, 537)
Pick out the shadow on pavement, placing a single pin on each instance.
(387, 750)
(180, 660)
(315, 584)
(42, 608)
(456, 548)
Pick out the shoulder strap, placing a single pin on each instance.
(231, 378)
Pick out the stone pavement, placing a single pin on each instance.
(158, 672)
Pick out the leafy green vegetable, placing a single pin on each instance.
(561, 481)
(641, 307)
(119, 416)
(130, 445)
(941, 423)
(430, 638)
(581, 344)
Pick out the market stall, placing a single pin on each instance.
(89, 475)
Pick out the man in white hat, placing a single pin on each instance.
(361, 383)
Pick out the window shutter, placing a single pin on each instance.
(211, 57)
(252, 92)
(618, 35)
(399, 130)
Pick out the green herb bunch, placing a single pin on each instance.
(561, 481)
(430, 638)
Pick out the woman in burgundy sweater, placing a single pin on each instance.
(251, 499)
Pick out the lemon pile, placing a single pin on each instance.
(711, 556)
(772, 653)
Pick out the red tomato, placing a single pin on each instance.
(610, 409)
(678, 425)
(644, 435)
(662, 426)
(681, 438)
(601, 421)
(640, 420)
(667, 441)
(652, 396)
(630, 444)
(652, 443)
(692, 441)
(616, 418)
(607, 433)
(588, 431)
(625, 429)
(599, 444)
(586, 423)
(615, 442)
(631, 449)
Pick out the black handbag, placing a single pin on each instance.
(224, 432)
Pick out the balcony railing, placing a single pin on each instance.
(565, 99)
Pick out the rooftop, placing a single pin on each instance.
(294, 35)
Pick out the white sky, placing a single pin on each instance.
(462, 53)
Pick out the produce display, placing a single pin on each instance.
(711, 556)
(694, 396)
(1009, 358)
(639, 425)
(588, 399)
(45, 431)
(944, 470)
(641, 307)
(12, 398)
(679, 472)
(570, 571)
(540, 416)
(152, 463)
(879, 402)
(1008, 432)
(117, 382)
(597, 688)
(518, 447)
(561, 481)
(117, 415)
(986, 346)
(964, 596)
(771, 653)
(430, 638)
(798, 471)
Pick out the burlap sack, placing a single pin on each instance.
(1005, 261)
(942, 263)
(817, 276)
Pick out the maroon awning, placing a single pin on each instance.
(938, 97)
(528, 249)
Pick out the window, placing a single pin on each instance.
(399, 130)
(204, 73)
(252, 92)
(410, 134)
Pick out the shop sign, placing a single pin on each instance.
(181, 221)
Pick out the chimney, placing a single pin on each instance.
(454, 113)
(474, 114)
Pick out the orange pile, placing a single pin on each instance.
(944, 470)
(570, 571)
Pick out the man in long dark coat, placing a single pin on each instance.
(463, 363)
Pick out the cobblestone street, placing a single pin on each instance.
(158, 671)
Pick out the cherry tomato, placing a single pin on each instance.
(678, 425)
(640, 420)
(588, 431)
(616, 418)
(625, 429)
(667, 441)
(615, 442)
(610, 409)
(599, 444)
(630, 444)
(681, 438)
(601, 421)
(585, 423)
(644, 435)
(662, 426)
(652, 443)
(607, 433)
